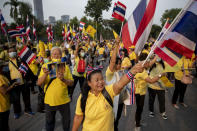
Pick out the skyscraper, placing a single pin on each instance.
(38, 10)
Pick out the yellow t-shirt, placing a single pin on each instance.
(34, 67)
(145, 51)
(75, 68)
(4, 99)
(57, 92)
(156, 72)
(140, 83)
(109, 74)
(99, 114)
(4, 55)
(50, 46)
(187, 63)
(14, 73)
(132, 56)
(126, 62)
(101, 51)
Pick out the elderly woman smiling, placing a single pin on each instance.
(95, 102)
(56, 92)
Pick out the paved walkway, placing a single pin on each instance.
(184, 119)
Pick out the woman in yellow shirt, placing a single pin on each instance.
(95, 103)
(180, 88)
(156, 89)
(126, 64)
(4, 99)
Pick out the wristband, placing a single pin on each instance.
(130, 76)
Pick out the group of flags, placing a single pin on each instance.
(3, 24)
(49, 32)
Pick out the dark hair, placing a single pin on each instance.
(73, 47)
(80, 49)
(154, 65)
(142, 56)
(34, 50)
(48, 53)
(146, 46)
(125, 52)
(117, 60)
(85, 89)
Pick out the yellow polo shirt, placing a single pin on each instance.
(132, 56)
(99, 114)
(14, 73)
(4, 99)
(156, 72)
(4, 55)
(140, 83)
(145, 51)
(187, 63)
(126, 62)
(34, 67)
(57, 92)
(109, 74)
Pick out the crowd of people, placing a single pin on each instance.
(106, 72)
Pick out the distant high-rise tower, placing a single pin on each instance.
(38, 10)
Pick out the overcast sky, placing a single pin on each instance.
(76, 8)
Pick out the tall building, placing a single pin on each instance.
(65, 18)
(52, 20)
(38, 10)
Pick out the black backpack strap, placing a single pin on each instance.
(107, 97)
(48, 85)
(13, 64)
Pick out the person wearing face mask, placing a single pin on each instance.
(56, 92)
(157, 89)
(78, 76)
(126, 64)
(15, 75)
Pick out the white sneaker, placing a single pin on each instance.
(151, 114)
(175, 106)
(137, 129)
(164, 116)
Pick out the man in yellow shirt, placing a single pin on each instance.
(15, 75)
(56, 91)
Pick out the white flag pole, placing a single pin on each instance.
(176, 20)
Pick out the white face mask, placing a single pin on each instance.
(158, 59)
(82, 54)
(12, 54)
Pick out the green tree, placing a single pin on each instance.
(171, 14)
(156, 29)
(74, 22)
(95, 8)
(57, 28)
(13, 10)
(25, 10)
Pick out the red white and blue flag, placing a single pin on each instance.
(27, 55)
(137, 29)
(119, 11)
(81, 25)
(182, 35)
(19, 31)
(34, 30)
(28, 27)
(50, 33)
(23, 69)
(3, 24)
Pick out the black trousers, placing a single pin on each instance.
(180, 89)
(161, 98)
(140, 104)
(76, 79)
(4, 121)
(119, 113)
(15, 98)
(65, 115)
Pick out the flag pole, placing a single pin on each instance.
(121, 29)
(177, 18)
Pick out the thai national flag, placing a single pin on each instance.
(3, 24)
(137, 29)
(165, 53)
(23, 69)
(21, 30)
(182, 34)
(14, 32)
(119, 11)
(27, 55)
(28, 29)
(34, 30)
(81, 25)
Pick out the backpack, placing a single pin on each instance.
(81, 66)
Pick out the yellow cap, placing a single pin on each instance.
(132, 47)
